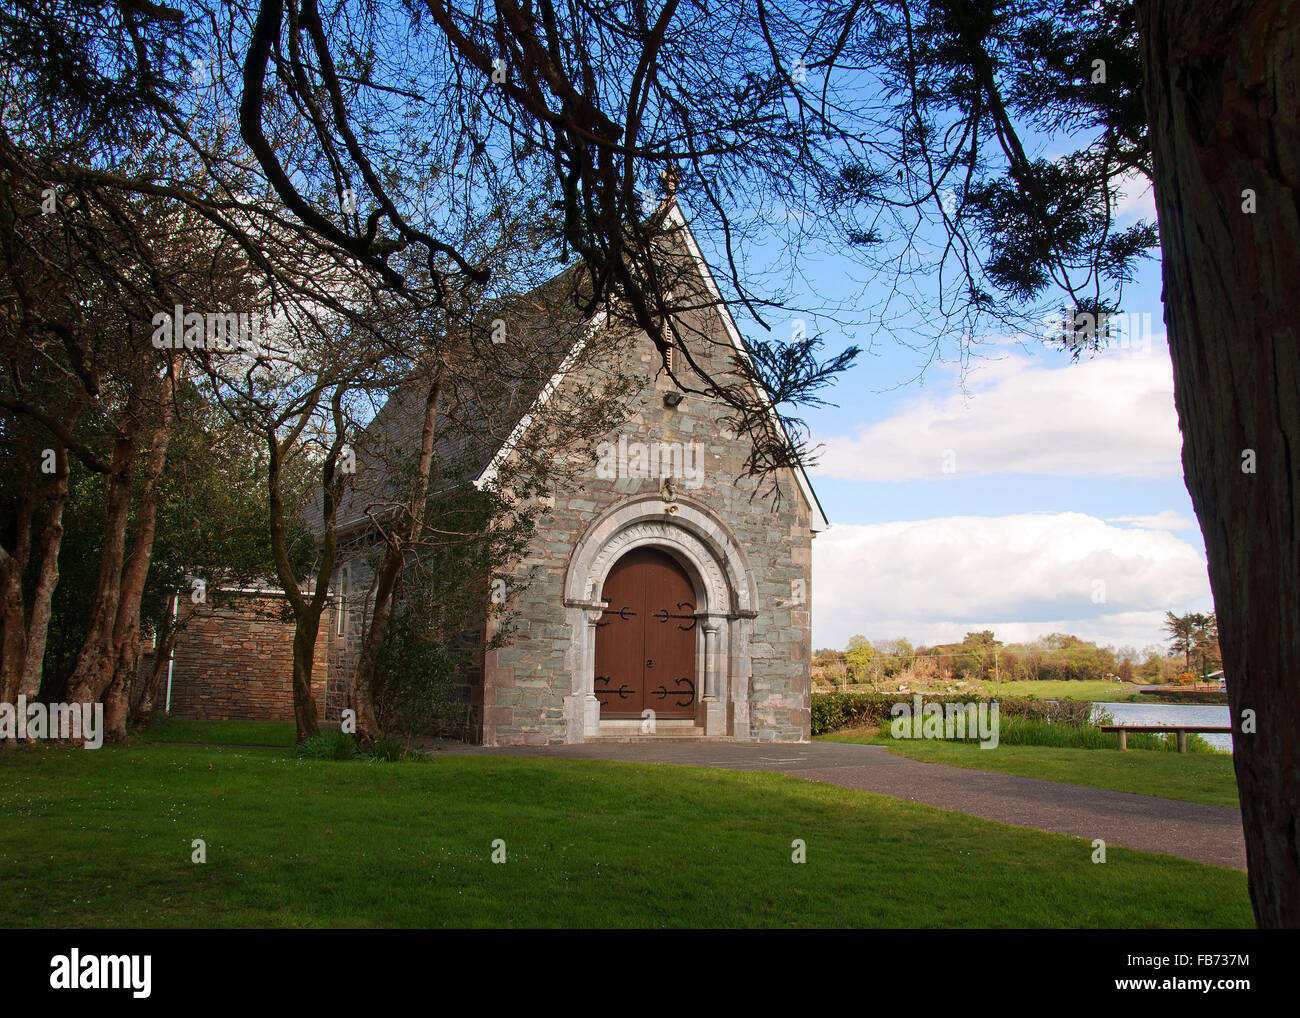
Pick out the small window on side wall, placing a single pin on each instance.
(341, 602)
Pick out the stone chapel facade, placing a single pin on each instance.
(655, 601)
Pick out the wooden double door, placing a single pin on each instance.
(645, 640)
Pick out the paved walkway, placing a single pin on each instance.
(1209, 834)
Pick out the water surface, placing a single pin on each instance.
(1173, 714)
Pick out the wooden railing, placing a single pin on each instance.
(1182, 730)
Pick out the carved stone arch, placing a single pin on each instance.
(682, 527)
(726, 598)
(711, 588)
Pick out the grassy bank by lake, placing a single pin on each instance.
(105, 838)
(1193, 777)
(1084, 689)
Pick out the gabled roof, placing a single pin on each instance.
(483, 422)
(818, 521)
(493, 428)
(818, 515)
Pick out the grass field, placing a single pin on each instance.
(1084, 689)
(218, 733)
(105, 838)
(1193, 777)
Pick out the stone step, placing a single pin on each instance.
(628, 739)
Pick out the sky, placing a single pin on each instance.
(1022, 492)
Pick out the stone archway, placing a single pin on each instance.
(725, 606)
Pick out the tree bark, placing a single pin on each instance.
(93, 670)
(396, 548)
(47, 579)
(13, 622)
(126, 630)
(1222, 98)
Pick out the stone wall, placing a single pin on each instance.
(525, 683)
(360, 558)
(239, 667)
(234, 662)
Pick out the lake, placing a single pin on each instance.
(1173, 714)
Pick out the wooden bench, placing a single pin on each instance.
(1182, 730)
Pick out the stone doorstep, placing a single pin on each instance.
(628, 730)
(656, 738)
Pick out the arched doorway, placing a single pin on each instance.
(646, 639)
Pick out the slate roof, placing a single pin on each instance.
(474, 426)
(478, 410)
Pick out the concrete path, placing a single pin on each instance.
(1209, 834)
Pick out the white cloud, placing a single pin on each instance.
(1135, 199)
(1021, 575)
(1111, 415)
(1167, 519)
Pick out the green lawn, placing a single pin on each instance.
(218, 733)
(1083, 689)
(103, 838)
(1194, 777)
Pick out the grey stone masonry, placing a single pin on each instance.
(674, 478)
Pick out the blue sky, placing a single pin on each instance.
(1022, 492)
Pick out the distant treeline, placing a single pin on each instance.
(980, 656)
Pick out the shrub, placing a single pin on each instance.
(832, 711)
(416, 690)
(390, 750)
(329, 745)
(1063, 723)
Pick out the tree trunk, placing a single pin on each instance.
(362, 684)
(1222, 99)
(143, 707)
(307, 613)
(142, 703)
(13, 621)
(126, 630)
(47, 579)
(304, 703)
(93, 670)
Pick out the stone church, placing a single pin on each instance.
(662, 594)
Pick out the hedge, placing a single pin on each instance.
(832, 711)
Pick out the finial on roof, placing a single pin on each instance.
(670, 178)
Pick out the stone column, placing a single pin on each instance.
(710, 660)
(591, 706)
(581, 708)
(713, 715)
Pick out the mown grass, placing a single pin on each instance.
(166, 728)
(1047, 689)
(104, 838)
(1193, 777)
(1054, 689)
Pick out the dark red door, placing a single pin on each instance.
(645, 640)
